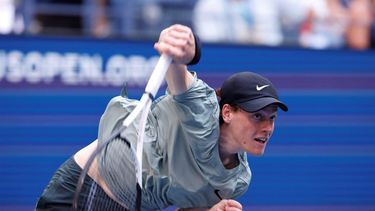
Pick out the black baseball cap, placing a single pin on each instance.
(250, 91)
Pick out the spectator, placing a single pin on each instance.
(310, 23)
(361, 29)
(324, 25)
(266, 28)
(7, 16)
(372, 27)
(316, 24)
(100, 20)
(11, 19)
(222, 20)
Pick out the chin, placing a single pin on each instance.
(259, 153)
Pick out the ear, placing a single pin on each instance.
(227, 113)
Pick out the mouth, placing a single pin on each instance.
(261, 140)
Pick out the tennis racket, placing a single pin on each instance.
(94, 198)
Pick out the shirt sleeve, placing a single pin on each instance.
(197, 112)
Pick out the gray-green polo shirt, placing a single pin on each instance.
(181, 162)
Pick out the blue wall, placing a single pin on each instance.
(321, 157)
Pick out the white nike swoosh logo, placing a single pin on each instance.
(261, 87)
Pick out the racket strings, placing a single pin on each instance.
(118, 169)
(119, 173)
(82, 177)
(98, 200)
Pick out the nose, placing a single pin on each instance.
(267, 127)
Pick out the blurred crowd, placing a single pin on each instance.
(319, 24)
(316, 24)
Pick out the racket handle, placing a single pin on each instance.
(158, 75)
(152, 87)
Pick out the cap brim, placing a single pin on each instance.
(258, 104)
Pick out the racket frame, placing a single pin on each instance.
(155, 81)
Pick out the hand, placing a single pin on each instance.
(227, 205)
(178, 42)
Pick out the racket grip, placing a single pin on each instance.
(158, 75)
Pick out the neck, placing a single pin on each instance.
(228, 154)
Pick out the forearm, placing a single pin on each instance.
(178, 79)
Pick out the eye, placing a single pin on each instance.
(257, 116)
(273, 117)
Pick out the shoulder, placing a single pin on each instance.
(198, 89)
(199, 99)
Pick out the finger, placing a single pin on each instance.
(232, 209)
(177, 39)
(234, 203)
(181, 28)
(164, 48)
(186, 33)
(178, 32)
(172, 40)
(221, 206)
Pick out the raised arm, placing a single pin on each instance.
(178, 42)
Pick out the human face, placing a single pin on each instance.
(252, 131)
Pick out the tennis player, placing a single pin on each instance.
(195, 145)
